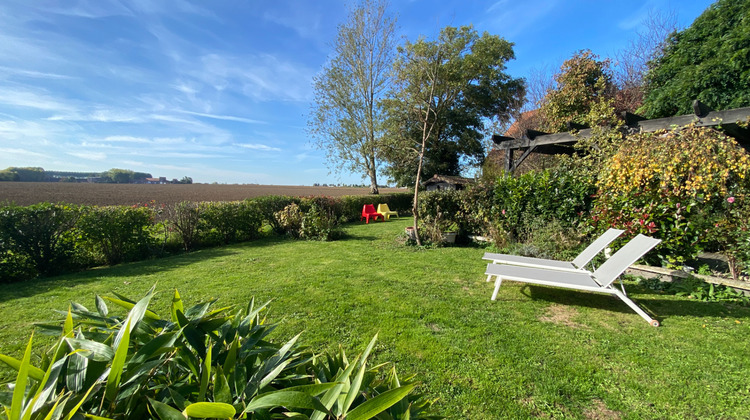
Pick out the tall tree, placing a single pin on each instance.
(445, 91)
(708, 61)
(584, 82)
(347, 117)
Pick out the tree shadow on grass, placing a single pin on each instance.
(660, 309)
(29, 288)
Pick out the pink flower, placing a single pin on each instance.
(503, 212)
(730, 200)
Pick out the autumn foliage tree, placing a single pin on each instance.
(583, 83)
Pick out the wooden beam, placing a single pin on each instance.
(497, 138)
(533, 134)
(703, 117)
(711, 119)
(520, 160)
(508, 159)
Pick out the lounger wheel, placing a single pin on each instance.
(654, 323)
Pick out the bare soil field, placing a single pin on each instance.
(26, 193)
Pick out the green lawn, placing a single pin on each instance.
(534, 352)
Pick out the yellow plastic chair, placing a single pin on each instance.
(385, 211)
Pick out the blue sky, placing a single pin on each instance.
(220, 90)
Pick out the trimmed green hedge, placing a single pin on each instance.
(47, 239)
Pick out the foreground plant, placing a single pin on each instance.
(201, 363)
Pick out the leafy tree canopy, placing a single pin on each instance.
(584, 83)
(453, 85)
(347, 117)
(708, 61)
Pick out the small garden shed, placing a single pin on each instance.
(446, 182)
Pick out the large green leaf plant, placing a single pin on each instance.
(202, 362)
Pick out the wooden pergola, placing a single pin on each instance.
(729, 121)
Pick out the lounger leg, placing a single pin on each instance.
(489, 277)
(635, 307)
(497, 287)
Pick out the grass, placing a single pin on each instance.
(534, 352)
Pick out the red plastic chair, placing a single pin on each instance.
(368, 211)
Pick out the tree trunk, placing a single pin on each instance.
(373, 177)
(374, 183)
(415, 204)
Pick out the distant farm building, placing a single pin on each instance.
(160, 180)
(445, 182)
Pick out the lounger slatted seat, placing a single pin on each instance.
(599, 281)
(578, 264)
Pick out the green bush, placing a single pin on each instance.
(231, 221)
(200, 362)
(271, 204)
(117, 233)
(440, 212)
(547, 195)
(40, 236)
(289, 219)
(320, 223)
(314, 223)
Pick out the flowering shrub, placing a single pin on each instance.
(674, 185)
(317, 223)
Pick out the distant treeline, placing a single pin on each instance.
(112, 176)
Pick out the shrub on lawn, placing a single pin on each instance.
(200, 362)
(39, 237)
(289, 219)
(314, 221)
(546, 195)
(115, 234)
(270, 205)
(440, 212)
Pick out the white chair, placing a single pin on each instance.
(578, 264)
(599, 281)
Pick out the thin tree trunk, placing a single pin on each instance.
(415, 203)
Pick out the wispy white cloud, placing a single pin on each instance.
(88, 155)
(503, 15)
(223, 117)
(255, 146)
(22, 152)
(263, 77)
(30, 99)
(10, 71)
(126, 139)
(303, 17)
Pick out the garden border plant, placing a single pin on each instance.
(201, 362)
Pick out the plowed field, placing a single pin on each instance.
(26, 193)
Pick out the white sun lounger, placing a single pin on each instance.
(599, 281)
(578, 264)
